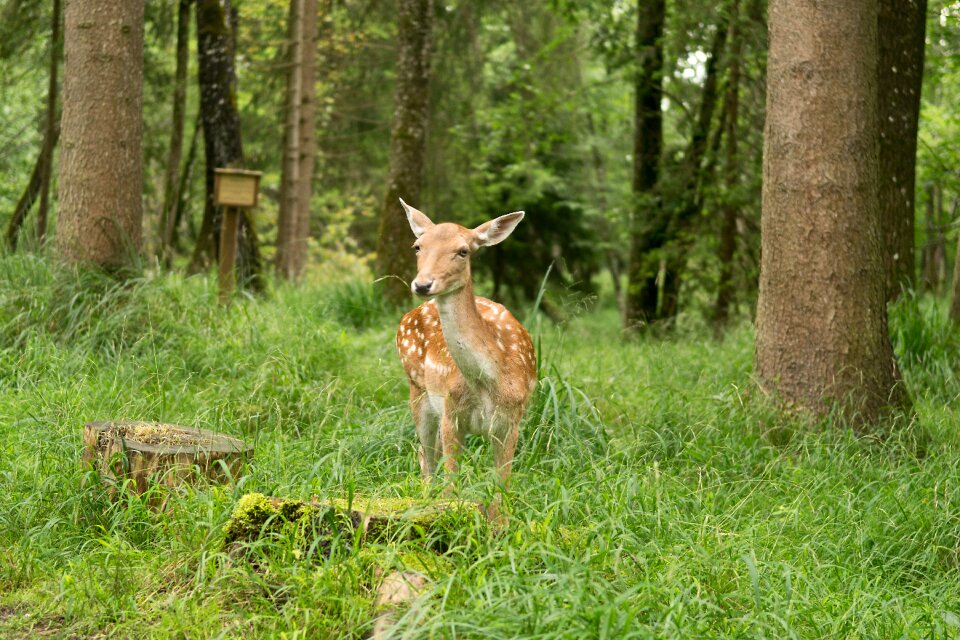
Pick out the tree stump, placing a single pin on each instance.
(151, 453)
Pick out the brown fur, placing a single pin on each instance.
(470, 364)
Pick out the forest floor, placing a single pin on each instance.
(655, 493)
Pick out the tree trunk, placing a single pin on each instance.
(933, 257)
(171, 191)
(395, 259)
(821, 315)
(101, 159)
(900, 42)
(731, 178)
(290, 176)
(183, 188)
(694, 173)
(308, 135)
(955, 297)
(50, 130)
(641, 293)
(221, 138)
(30, 194)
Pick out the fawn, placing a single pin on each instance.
(470, 364)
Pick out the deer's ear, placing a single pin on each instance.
(496, 231)
(419, 222)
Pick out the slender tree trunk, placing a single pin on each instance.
(101, 161)
(49, 133)
(221, 137)
(29, 196)
(641, 293)
(171, 191)
(308, 135)
(731, 178)
(695, 174)
(407, 147)
(901, 32)
(933, 270)
(183, 188)
(821, 315)
(955, 297)
(290, 177)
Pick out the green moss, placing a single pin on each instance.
(250, 515)
(256, 514)
(435, 524)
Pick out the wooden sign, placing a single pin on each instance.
(236, 187)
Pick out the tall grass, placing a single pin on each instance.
(654, 494)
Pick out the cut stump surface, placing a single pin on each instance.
(154, 453)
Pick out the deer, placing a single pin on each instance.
(470, 363)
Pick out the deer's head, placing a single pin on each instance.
(444, 250)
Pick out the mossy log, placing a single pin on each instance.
(377, 519)
(150, 453)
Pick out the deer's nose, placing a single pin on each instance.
(423, 288)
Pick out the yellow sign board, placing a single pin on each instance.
(236, 187)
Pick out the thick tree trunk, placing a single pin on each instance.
(290, 176)
(50, 130)
(101, 159)
(900, 41)
(171, 191)
(395, 259)
(821, 315)
(731, 178)
(221, 138)
(641, 293)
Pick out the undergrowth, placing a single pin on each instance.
(654, 493)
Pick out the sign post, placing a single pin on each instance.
(233, 189)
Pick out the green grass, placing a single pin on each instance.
(655, 495)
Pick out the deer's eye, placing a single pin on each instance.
(463, 253)
(416, 248)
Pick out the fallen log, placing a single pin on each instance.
(378, 520)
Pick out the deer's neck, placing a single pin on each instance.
(467, 335)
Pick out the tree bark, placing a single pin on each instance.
(822, 336)
(395, 259)
(290, 176)
(171, 191)
(641, 291)
(900, 41)
(221, 138)
(50, 130)
(101, 159)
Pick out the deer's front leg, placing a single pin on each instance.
(503, 450)
(449, 438)
(428, 433)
